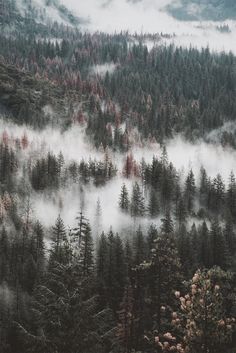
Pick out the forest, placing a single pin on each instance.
(105, 245)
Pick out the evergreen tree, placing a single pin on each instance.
(151, 237)
(167, 226)
(139, 247)
(102, 268)
(231, 195)
(229, 235)
(218, 245)
(165, 274)
(180, 211)
(85, 257)
(57, 252)
(190, 190)
(4, 256)
(219, 189)
(153, 207)
(206, 255)
(98, 218)
(79, 230)
(124, 199)
(203, 189)
(137, 202)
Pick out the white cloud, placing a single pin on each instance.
(149, 16)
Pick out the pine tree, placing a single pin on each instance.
(153, 207)
(229, 234)
(165, 274)
(206, 255)
(151, 237)
(124, 199)
(126, 320)
(190, 190)
(218, 245)
(139, 247)
(38, 236)
(85, 257)
(167, 226)
(57, 252)
(180, 211)
(231, 195)
(219, 189)
(98, 218)
(79, 230)
(102, 268)
(119, 273)
(128, 256)
(137, 202)
(203, 190)
(65, 319)
(30, 274)
(111, 269)
(4, 255)
(184, 249)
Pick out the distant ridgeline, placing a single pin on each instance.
(15, 11)
(216, 10)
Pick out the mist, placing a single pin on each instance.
(75, 146)
(150, 16)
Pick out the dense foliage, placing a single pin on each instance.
(166, 281)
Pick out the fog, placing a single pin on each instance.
(150, 16)
(213, 157)
(144, 16)
(101, 70)
(74, 144)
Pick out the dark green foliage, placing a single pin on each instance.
(189, 193)
(77, 297)
(153, 207)
(124, 199)
(137, 206)
(58, 251)
(46, 173)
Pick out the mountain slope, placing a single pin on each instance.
(216, 10)
(39, 11)
(23, 98)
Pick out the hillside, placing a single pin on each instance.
(203, 10)
(117, 179)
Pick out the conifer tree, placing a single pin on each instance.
(231, 195)
(206, 255)
(79, 230)
(165, 274)
(153, 206)
(218, 245)
(190, 190)
(167, 226)
(137, 202)
(126, 320)
(57, 252)
(180, 211)
(85, 257)
(139, 247)
(4, 255)
(229, 235)
(102, 268)
(98, 218)
(219, 189)
(151, 238)
(124, 199)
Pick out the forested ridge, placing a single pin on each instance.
(215, 10)
(163, 279)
